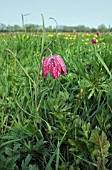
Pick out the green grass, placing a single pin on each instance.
(62, 123)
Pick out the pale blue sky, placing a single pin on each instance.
(90, 13)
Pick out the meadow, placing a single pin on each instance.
(51, 123)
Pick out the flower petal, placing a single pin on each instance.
(45, 68)
(54, 68)
(63, 66)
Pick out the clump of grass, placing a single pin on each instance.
(62, 123)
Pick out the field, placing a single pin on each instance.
(62, 123)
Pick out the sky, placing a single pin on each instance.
(91, 13)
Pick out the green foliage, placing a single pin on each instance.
(66, 124)
(101, 148)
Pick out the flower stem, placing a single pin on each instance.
(42, 54)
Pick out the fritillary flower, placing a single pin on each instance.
(94, 40)
(55, 65)
(98, 33)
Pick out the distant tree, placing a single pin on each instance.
(102, 28)
(31, 27)
(61, 28)
(17, 28)
(65, 29)
(10, 28)
(49, 29)
(93, 30)
(82, 28)
(111, 29)
(2, 27)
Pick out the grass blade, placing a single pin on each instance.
(55, 153)
(103, 63)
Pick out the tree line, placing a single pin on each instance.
(61, 28)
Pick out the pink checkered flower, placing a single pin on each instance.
(94, 41)
(55, 65)
(98, 33)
